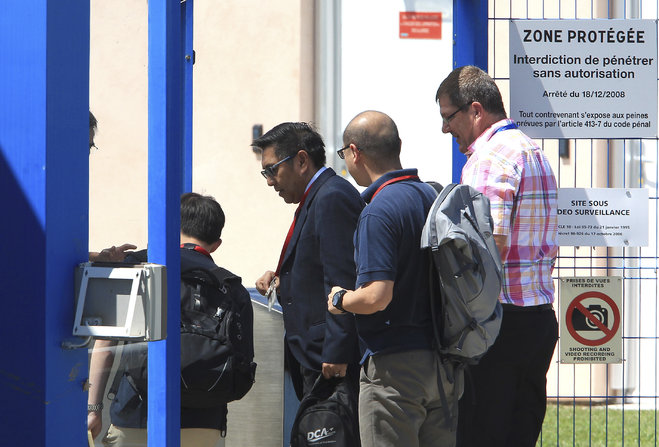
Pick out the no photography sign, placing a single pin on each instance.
(590, 329)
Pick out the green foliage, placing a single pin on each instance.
(598, 425)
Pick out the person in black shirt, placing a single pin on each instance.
(202, 220)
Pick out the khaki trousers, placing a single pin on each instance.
(400, 403)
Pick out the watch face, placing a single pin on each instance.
(337, 299)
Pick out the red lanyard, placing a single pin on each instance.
(198, 249)
(394, 180)
(290, 231)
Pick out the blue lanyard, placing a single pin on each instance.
(506, 127)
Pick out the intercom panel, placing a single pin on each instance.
(121, 301)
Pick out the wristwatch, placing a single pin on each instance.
(95, 407)
(337, 300)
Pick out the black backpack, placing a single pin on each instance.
(325, 416)
(216, 342)
(216, 338)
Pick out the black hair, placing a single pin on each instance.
(289, 138)
(93, 123)
(201, 217)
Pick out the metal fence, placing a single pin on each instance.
(598, 404)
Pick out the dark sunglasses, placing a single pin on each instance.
(271, 171)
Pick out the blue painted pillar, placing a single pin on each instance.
(44, 172)
(187, 10)
(470, 40)
(165, 185)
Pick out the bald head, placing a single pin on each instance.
(376, 136)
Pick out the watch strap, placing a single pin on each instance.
(95, 407)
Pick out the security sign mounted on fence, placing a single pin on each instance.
(590, 320)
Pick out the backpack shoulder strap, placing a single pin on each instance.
(445, 192)
(433, 238)
(480, 210)
(438, 186)
(114, 386)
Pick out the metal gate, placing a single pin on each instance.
(596, 404)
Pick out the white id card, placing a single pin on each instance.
(271, 294)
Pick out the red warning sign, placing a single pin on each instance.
(595, 318)
(420, 25)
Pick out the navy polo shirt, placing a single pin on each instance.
(387, 247)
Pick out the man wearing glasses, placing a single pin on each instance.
(504, 404)
(400, 403)
(317, 254)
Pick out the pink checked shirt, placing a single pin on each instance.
(513, 172)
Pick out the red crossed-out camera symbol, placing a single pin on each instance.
(592, 319)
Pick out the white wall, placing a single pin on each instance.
(399, 77)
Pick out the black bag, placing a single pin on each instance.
(216, 338)
(216, 343)
(326, 417)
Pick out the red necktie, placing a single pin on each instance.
(290, 232)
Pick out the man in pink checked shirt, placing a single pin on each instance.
(504, 404)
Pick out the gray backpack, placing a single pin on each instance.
(465, 273)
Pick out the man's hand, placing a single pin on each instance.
(94, 422)
(263, 283)
(112, 254)
(334, 370)
(330, 297)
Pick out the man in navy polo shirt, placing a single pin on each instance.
(399, 402)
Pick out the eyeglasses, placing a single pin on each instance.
(448, 119)
(271, 171)
(340, 153)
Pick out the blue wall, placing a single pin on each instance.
(44, 115)
(469, 48)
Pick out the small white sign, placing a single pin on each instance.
(590, 326)
(603, 217)
(584, 78)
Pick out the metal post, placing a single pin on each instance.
(469, 48)
(44, 172)
(165, 184)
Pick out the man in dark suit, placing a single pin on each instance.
(317, 254)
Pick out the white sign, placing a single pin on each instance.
(603, 217)
(590, 329)
(584, 78)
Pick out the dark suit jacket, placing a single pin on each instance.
(321, 255)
